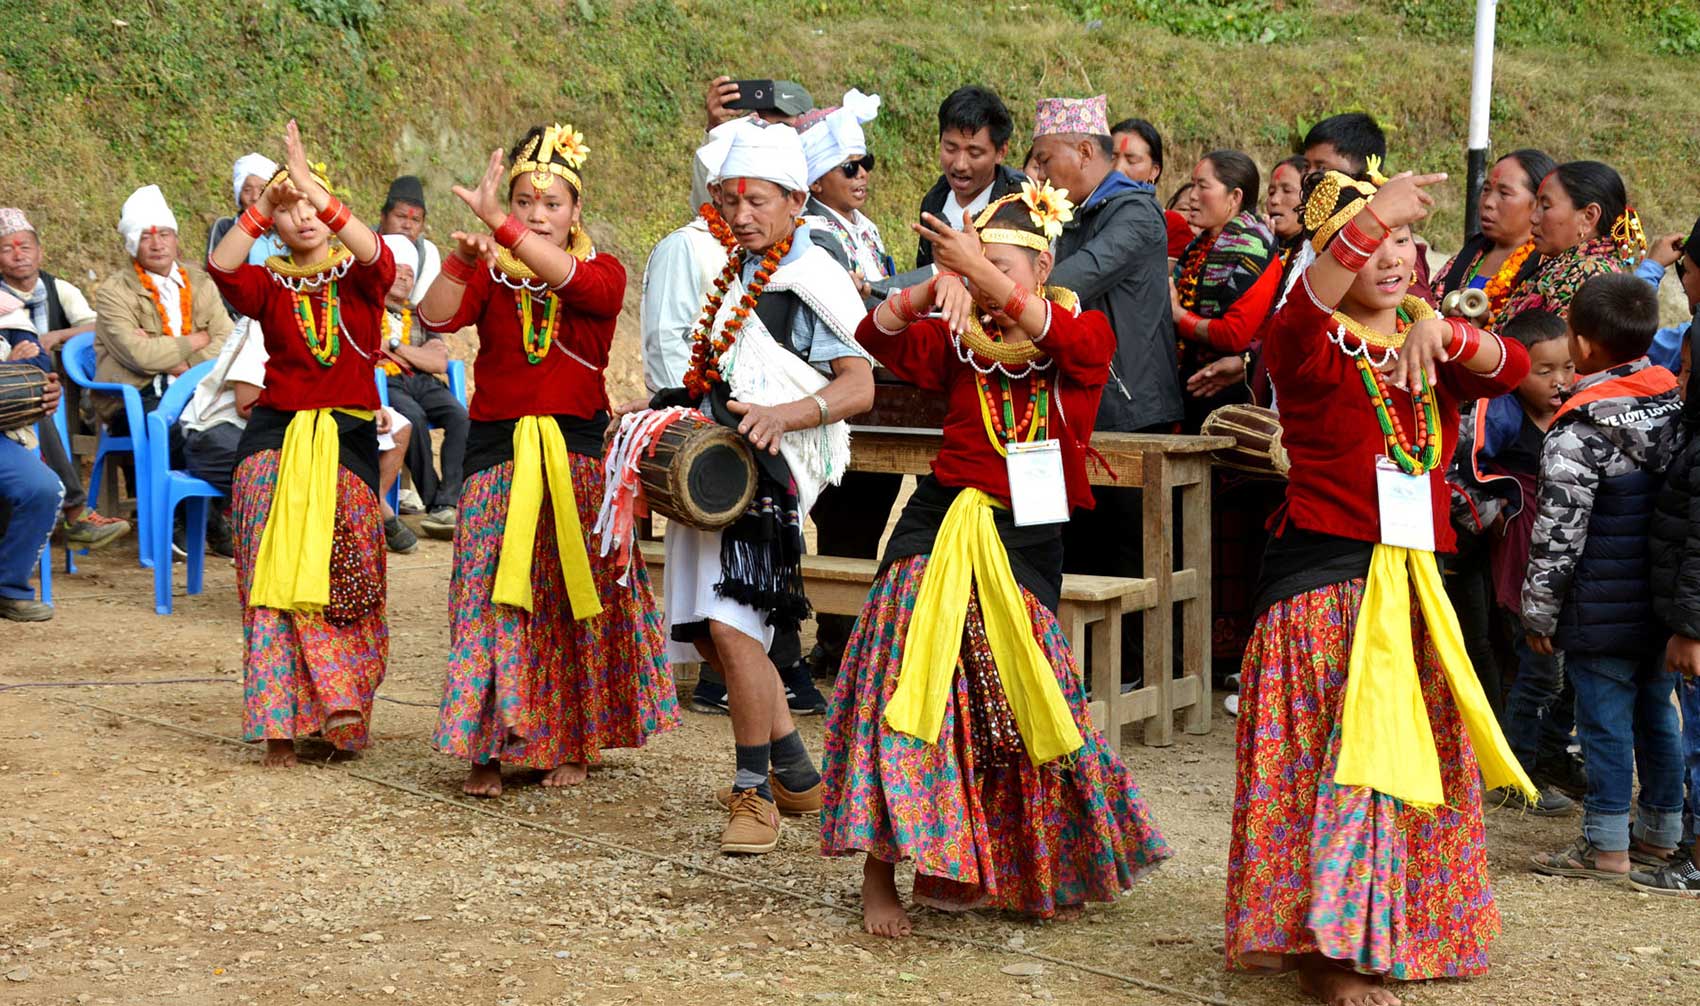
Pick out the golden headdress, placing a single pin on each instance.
(558, 150)
(1049, 208)
(1335, 200)
(318, 170)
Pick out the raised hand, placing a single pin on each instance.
(488, 200)
(1402, 200)
(300, 172)
(954, 250)
(1424, 348)
(721, 91)
(476, 247)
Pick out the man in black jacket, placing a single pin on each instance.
(1114, 255)
(974, 131)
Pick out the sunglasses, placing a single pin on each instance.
(855, 166)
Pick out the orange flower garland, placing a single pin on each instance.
(707, 349)
(718, 226)
(1192, 267)
(185, 298)
(1499, 288)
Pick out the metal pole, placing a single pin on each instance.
(1481, 101)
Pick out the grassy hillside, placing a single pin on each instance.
(98, 97)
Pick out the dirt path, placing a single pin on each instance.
(139, 865)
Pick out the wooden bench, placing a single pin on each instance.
(1090, 604)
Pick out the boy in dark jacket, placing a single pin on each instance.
(1587, 587)
(1676, 599)
(1493, 473)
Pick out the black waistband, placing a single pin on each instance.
(1035, 553)
(357, 441)
(1301, 561)
(491, 442)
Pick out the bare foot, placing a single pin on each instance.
(570, 774)
(279, 754)
(1067, 913)
(882, 910)
(1338, 986)
(483, 781)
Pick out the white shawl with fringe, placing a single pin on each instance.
(760, 370)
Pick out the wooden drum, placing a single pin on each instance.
(700, 474)
(20, 396)
(1257, 446)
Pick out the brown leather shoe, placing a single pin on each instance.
(753, 828)
(790, 804)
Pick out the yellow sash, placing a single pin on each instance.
(968, 552)
(540, 454)
(293, 570)
(1386, 742)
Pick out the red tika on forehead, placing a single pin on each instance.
(743, 183)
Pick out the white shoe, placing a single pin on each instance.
(1232, 704)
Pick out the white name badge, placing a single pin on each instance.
(1038, 493)
(1407, 506)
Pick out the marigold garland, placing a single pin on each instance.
(1192, 270)
(718, 226)
(707, 349)
(390, 366)
(1500, 286)
(185, 298)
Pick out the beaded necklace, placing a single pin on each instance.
(1192, 269)
(1035, 422)
(327, 349)
(707, 349)
(537, 339)
(185, 298)
(1412, 457)
(298, 278)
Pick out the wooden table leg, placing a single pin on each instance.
(1195, 554)
(1108, 709)
(1157, 498)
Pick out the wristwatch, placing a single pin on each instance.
(395, 342)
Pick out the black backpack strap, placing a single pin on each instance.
(777, 310)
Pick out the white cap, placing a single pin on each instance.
(145, 209)
(768, 151)
(405, 251)
(258, 165)
(838, 137)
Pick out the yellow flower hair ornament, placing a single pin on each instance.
(1049, 208)
(1630, 238)
(559, 151)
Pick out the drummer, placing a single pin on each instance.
(773, 355)
(556, 654)
(29, 498)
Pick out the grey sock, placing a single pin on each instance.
(752, 770)
(792, 764)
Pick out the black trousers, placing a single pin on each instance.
(849, 520)
(57, 455)
(426, 402)
(210, 454)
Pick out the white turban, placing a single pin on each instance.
(258, 165)
(144, 209)
(838, 137)
(405, 251)
(768, 151)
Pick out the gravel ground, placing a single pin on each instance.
(138, 864)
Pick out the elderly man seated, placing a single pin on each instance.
(29, 503)
(41, 312)
(404, 214)
(156, 318)
(415, 361)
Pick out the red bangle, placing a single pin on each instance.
(1347, 252)
(511, 232)
(1189, 324)
(1466, 341)
(1016, 303)
(1370, 209)
(253, 224)
(335, 215)
(458, 269)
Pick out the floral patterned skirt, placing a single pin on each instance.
(300, 668)
(539, 689)
(1351, 873)
(983, 826)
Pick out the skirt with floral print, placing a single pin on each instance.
(984, 828)
(540, 689)
(1350, 873)
(300, 668)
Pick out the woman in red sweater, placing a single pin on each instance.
(554, 658)
(309, 532)
(1357, 850)
(958, 736)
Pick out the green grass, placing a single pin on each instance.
(99, 97)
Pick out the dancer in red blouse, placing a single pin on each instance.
(1358, 852)
(958, 737)
(553, 658)
(309, 531)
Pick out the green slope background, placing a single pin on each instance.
(97, 98)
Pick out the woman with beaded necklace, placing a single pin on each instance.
(1358, 852)
(556, 654)
(958, 737)
(309, 532)
(1499, 258)
(1582, 225)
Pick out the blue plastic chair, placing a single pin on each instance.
(78, 358)
(168, 488)
(457, 387)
